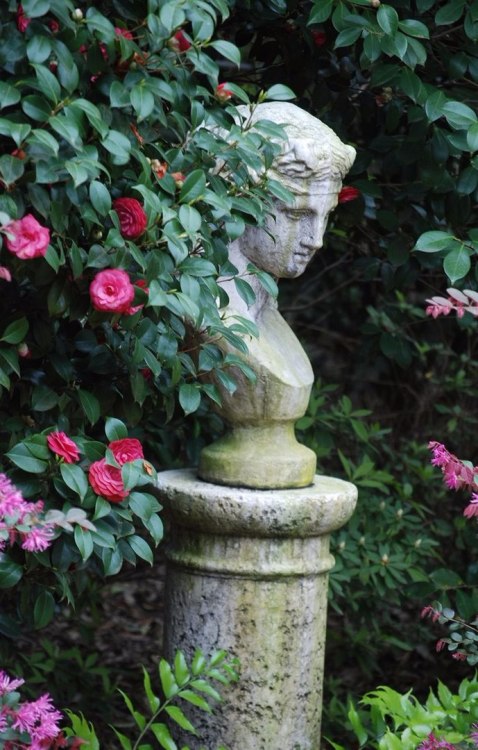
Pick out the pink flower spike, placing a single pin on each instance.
(7, 685)
(472, 509)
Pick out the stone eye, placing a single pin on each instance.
(296, 214)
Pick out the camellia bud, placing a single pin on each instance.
(178, 178)
(77, 15)
(221, 93)
(385, 559)
(23, 350)
(97, 234)
(375, 3)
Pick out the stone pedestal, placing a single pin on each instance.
(247, 572)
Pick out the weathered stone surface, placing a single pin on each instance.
(247, 571)
(311, 166)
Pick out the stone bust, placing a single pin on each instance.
(260, 449)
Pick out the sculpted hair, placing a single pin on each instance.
(313, 152)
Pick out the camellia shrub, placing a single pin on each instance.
(125, 173)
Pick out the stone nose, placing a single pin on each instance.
(313, 234)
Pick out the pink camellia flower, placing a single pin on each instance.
(111, 291)
(348, 193)
(5, 274)
(132, 217)
(126, 449)
(26, 238)
(106, 481)
(178, 42)
(63, 446)
(318, 37)
(23, 21)
(222, 93)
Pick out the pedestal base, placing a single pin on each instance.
(247, 572)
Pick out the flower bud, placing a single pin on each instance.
(399, 513)
(77, 15)
(222, 93)
(23, 350)
(341, 546)
(385, 559)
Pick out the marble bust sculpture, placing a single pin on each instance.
(260, 449)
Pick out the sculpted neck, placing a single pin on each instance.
(236, 302)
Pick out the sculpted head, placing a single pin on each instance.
(312, 165)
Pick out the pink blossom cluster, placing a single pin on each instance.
(459, 302)
(38, 718)
(433, 743)
(22, 521)
(457, 474)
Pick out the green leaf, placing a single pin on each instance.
(153, 699)
(100, 197)
(189, 397)
(23, 458)
(387, 19)
(194, 187)
(190, 218)
(320, 12)
(141, 548)
(161, 732)
(10, 572)
(472, 137)
(459, 115)
(38, 49)
(434, 242)
(434, 105)
(168, 683)
(181, 671)
(36, 8)
(177, 715)
(279, 93)
(449, 13)
(84, 542)
(115, 429)
(227, 50)
(245, 291)
(45, 139)
(414, 28)
(8, 95)
(15, 332)
(457, 263)
(75, 479)
(11, 169)
(90, 406)
(47, 83)
(171, 16)
(142, 101)
(43, 610)
(196, 700)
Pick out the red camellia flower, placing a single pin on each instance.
(178, 42)
(126, 33)
(179, 178)
(107, 481)
(318, 37)
(348, 193)
(63, 446)
(54, 25)
(132, 217)
(222, 93)
(26, 238)
(111, 291)
(23, 21)
(126, 449)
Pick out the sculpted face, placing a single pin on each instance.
(297, 233)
